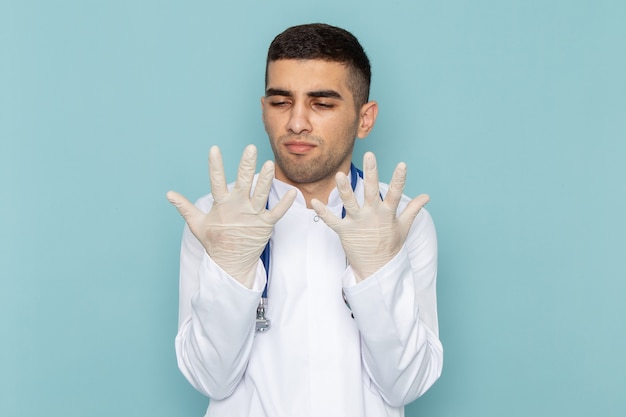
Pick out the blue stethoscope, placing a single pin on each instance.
(262, 323)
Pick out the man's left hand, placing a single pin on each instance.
(373, 234)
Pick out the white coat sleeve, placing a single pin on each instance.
(216, 320)
(396, 312)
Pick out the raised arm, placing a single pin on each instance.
(391, 283)
(221, 278)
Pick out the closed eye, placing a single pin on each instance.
(324, 105)
(279, 103)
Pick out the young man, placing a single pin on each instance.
(309, 289)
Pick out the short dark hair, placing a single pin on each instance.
(328, 43)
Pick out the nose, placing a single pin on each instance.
(299, 121)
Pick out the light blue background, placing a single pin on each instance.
(510, 114)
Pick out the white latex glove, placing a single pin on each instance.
(371, 235)
(238, 226)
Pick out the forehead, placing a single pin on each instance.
(302, 75)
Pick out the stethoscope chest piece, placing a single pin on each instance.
(262, 324)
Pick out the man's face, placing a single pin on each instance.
(311, 120)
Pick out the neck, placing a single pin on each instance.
(319, 190)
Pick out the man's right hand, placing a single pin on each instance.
(238, 226)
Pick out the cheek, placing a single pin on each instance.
(268, 123)
(346, 127)
(271, 120)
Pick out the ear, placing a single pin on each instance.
(367, 118)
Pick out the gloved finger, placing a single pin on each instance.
(370, 179)
(263, 185)
(247, 167)
(217, 177)
(281, 207)
(322, 211)
(190, 213)
(346, 194)
(396, 187)
(411, 211)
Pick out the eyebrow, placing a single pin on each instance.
(325, 94)
(277, 92)
(317, 94)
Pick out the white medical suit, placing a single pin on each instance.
(316, 360)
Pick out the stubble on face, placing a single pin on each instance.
(305, 169)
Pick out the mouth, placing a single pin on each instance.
(299, 147)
